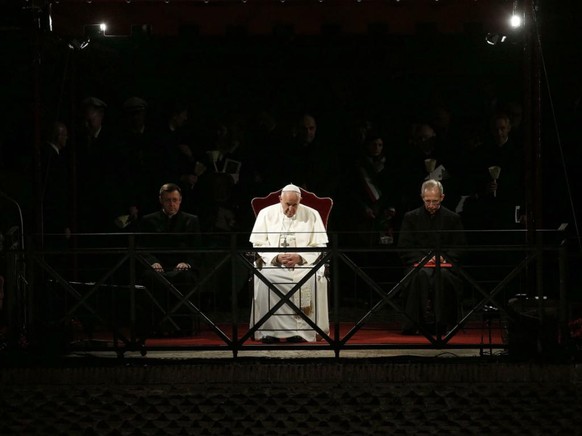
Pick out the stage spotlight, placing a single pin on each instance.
(95, 30)
(515, 21)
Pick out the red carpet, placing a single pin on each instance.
(371, 334)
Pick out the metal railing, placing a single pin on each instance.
(92, 294)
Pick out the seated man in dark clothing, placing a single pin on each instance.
(176, 230)
(427, 228)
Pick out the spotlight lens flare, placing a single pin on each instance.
(515, 21)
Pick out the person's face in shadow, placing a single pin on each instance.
(375, 147)
(423, 137)
(501, 129)
(93, 117)
(170, 202)
(308, 129)
(61, 136)
(432, 199)
(179, 119)
(136, 120)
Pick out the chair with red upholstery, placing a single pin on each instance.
(322, 204)
(311, 297)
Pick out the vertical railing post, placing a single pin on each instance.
(26, 282)
(563, 301)
(335, 288)
(438, 290)
(539, 251)
(132, 282)
(234, 293)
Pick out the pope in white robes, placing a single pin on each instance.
(289, 225)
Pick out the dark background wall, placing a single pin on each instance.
(375, 59)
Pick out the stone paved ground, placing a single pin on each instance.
(266, 409)
(258, 397)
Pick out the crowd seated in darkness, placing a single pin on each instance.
(372, 169)
(370, 159)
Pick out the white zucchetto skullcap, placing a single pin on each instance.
(291, 188)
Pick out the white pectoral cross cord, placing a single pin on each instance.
(287, 237)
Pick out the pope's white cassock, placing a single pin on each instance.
(305, 229)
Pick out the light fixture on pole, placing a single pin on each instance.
(495, 38)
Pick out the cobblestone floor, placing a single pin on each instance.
(314, 409)
(313, 398)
